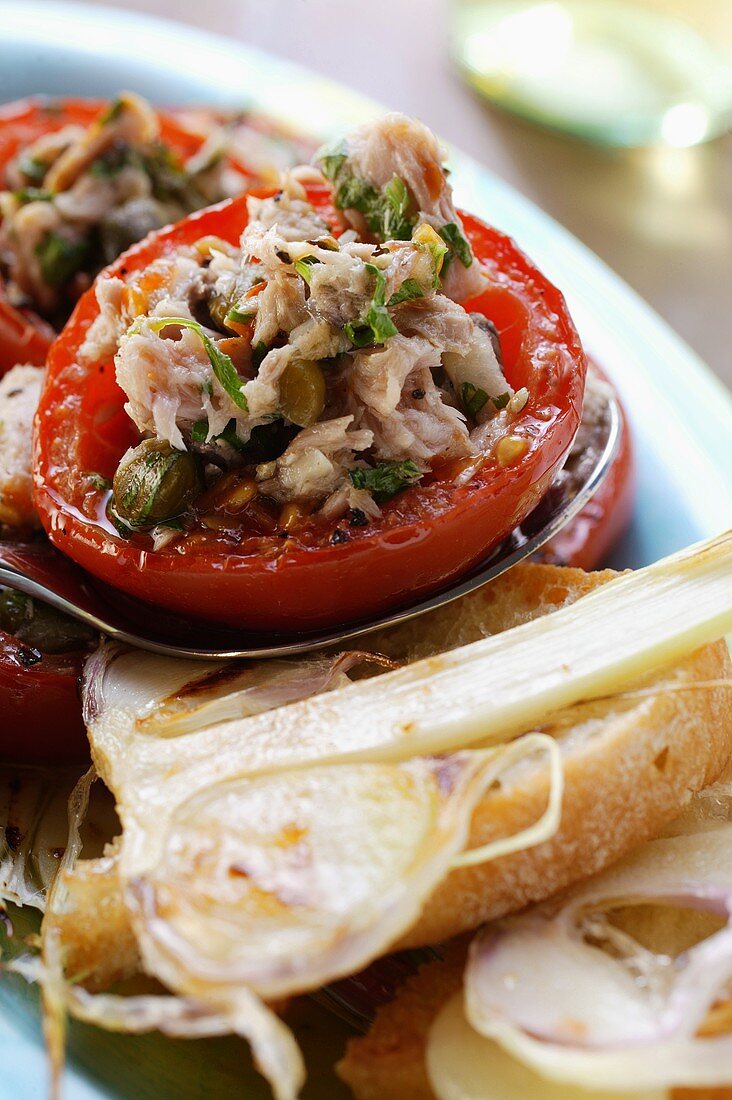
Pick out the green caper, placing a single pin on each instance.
(302, 392)
(155, 482)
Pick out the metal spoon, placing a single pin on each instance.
(42, 572)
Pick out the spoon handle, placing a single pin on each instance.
(39, 570)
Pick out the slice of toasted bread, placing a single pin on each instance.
(630, 766)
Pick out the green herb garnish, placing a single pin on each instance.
(98, 482)
(457, 244)
(259, 354)
(376, 325)
(473, 398)
(60, 258)
(112, 113)
(25, 195)
(33, 169)
(302, 267)
(386, 479)
(238, 317)
(386, 213)
(199, 431)
(409, 290)
(223, 368)
(331, 159)
(502, 400)
(398, 224)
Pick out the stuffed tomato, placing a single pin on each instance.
(306, 406)
(80, 181)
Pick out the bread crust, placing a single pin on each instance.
(627, 773)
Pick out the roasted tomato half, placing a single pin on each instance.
(24, 334)
(41, 719)
(259, 573)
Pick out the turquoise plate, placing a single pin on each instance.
(681, 414)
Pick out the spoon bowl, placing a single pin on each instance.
(40, 571)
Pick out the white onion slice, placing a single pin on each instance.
(576, 1013)
(274, 1048)
(282, 883)
(167, 697)
(34, 829)
(463, 1065)
(547, 825)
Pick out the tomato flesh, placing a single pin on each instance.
(40, 708)
(426, 536)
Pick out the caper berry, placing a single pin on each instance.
(302, 392)
(155, 482)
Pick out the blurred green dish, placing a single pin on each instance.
(609, 71)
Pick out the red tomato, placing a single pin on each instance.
(324, 573)
(40, 709)
(26, 120)
(25, 337)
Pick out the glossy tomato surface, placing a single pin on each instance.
(328, 572)
(40, 707)
(24, 337)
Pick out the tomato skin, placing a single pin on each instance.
(24, 337)
(426, 536)
(40, 707)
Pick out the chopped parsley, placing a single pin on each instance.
(237, 317)
(331, 159)
(376, 325)
(386, 213)
(397, 223)
(502, 400)
(199, 431)
(60, 258)
(98, 482)
(457, 246)
(223, 368)
(386, 479)
(259, 354)
(302, 267)
(473, 398)
(32, 194)
(409, 290)
(266, 441)
(112, 113)
(33, 168)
